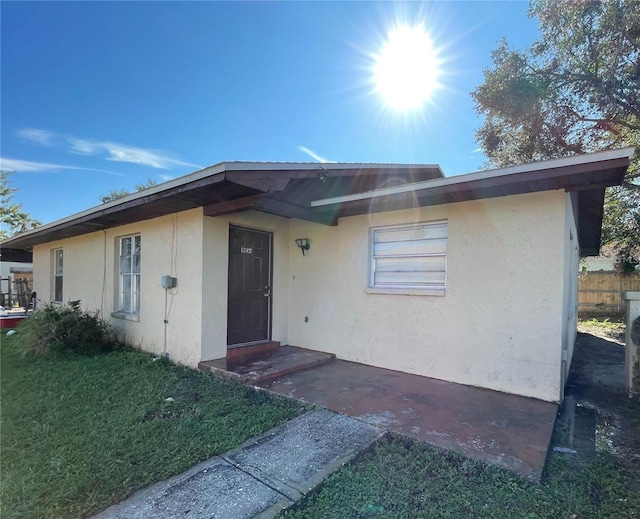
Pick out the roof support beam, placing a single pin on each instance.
(264, 185)
(231, 206)
(260, 202)
(280, 208)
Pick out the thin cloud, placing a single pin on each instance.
(165, 178)
(28, 166)
(112, 151)
(43, 137)
(477, 150)
(314, 155)
(117, 152)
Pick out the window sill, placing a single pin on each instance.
(126, 316)
(407, 291)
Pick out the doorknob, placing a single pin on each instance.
(267, 292)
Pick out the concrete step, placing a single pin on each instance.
(254, 368)
(260, 347)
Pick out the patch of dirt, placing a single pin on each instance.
(616, 334)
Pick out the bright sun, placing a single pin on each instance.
(406, 69)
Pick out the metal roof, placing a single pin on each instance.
(324, 192)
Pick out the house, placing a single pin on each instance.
(470, 279)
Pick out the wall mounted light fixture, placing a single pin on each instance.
(303, 243)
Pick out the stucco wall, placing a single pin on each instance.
(500, 323)
(216, 267)
(170, 245)
(570, 281)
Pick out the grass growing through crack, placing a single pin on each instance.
(406, 479)
(81, 432)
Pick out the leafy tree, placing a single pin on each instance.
(575, 90)
(12, 217)
(114, 194)
(119, 193)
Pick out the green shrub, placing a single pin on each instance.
(56, 328)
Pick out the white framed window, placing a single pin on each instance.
(409, 259)
(129, 278)
(58, 275)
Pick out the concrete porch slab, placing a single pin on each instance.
(263, 366)
(507, 430)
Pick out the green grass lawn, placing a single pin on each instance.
(406, 479)
(81, 432)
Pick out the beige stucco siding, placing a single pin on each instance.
(83, 270)
(499, 324)
(216, 267)
(184, 245)
(170, 245)
(570, 281)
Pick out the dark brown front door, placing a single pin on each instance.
(249, 308)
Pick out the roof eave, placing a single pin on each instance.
(235, 179)
(587, 175)
(622, 156)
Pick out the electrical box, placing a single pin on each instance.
(168, 282)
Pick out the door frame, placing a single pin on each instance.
(270, 277)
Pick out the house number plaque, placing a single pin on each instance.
(246, 250)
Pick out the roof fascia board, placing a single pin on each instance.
(509, 174)
(328, 166)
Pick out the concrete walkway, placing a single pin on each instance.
(259, 478)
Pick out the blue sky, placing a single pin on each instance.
(100, 96)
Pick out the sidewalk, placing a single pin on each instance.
(259, 478)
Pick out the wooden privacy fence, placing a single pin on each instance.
(600, 293)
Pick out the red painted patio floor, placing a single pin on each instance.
(508, 430)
